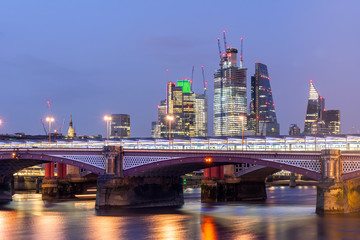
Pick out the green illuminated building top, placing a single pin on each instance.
(185, 84)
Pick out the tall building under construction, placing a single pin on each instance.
(229, 95)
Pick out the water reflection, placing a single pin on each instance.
(208, 228)
(287, 214)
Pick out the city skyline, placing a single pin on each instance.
(73, 63)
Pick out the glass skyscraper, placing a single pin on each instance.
(229, 96)
(262, 118)
(120, 125)
(314, 120)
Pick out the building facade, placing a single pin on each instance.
(332, 120)
(319, 120)
(262, 118)
(314, 112)
(120, 126)
(179, 103)
(229, 96)
(201, 115)
(294, 130)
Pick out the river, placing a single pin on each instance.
(288, 213)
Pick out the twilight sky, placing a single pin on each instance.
(90, 58)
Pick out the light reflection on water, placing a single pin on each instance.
(287, 214)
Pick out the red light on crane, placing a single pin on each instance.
(208, 159)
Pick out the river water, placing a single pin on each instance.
(288, 213)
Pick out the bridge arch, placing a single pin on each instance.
(181, 166)
(350, 175)
(12, 162)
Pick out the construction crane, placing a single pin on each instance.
(204, 82)
(224, 33)
(220, 54)
(241, 53)
(192, 76)
(221, 87)
(43, 124)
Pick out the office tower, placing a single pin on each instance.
(332, 120)
(294, 130)
(180, 103)
(201, 115)
(314, 121)
(229, 95)
(120, 126)
(155, 129)
(262, 118)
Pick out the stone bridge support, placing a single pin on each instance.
(115, 190)
(6, 189)
(231, 188)
(333, 194)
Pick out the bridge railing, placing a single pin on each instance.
(285, 143)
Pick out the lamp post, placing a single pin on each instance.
(242, 132)
(50, 120)
(170, 118)
(107, 119)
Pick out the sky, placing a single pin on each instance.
(91, 58)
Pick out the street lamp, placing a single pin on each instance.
(107, 119)
(50, 120)
(242, 132)
(170, 118)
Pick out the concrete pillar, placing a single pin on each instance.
(59, 171)
(52, 170)
(292, 182)
(6, 189)
(64, 170)
(139, 192)
(207, 173)
(47, 170)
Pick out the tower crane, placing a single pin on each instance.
(224, 33)
(204, 81)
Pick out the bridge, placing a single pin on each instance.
(278, 143)
(151, 177)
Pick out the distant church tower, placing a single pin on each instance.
(71, 132)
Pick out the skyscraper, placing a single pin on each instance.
(332, 120)
(120, 125)
(314, 120)
(229, 95)
(294, 130)
(262, 117)
(201, 115)
(180, 103)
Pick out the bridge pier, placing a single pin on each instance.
(61, 188)
(6, 189)
(139, 192)
(228, 188)
(232, 189)
(333, 194)
(115, 190)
